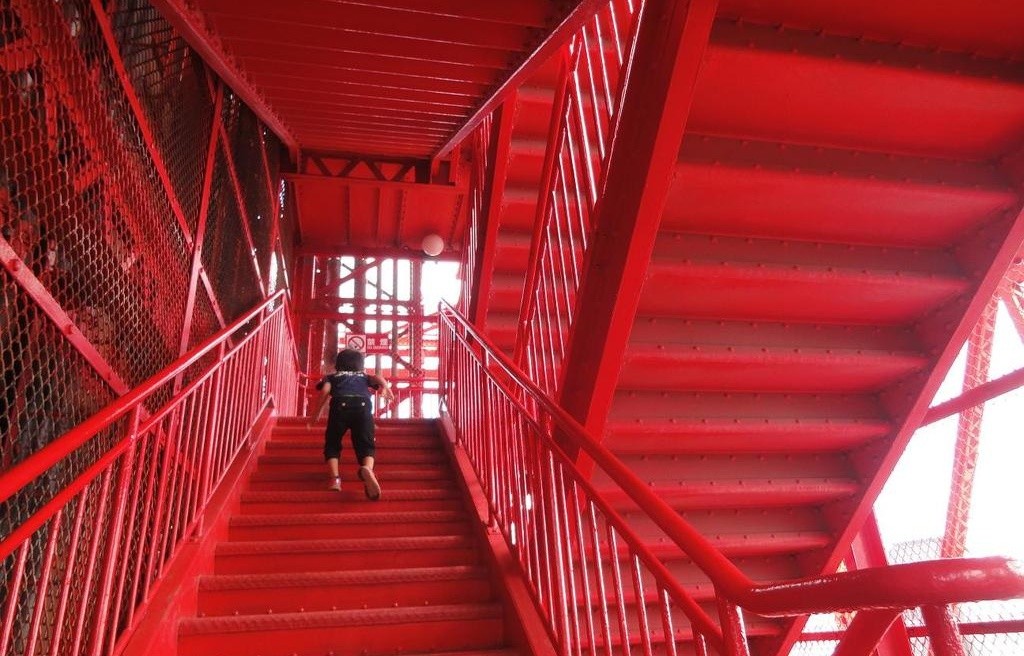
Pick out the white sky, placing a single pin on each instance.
(913, 504)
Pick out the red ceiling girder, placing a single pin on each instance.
(344, 76)
(190, 24)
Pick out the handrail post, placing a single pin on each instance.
(490, 458)
(212, 430)
(943, 631)
(734, 632)
(111, 558)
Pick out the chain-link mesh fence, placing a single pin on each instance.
(106, 116)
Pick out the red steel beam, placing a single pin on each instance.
(994, 627)
(37, 291)
(980, 394)
(191, 25)
(243, 211)
(343, 250)
(866, 632)
(968, 436)
(494, 190)
(204, 207)
(141, 119)
(573, 20)
(660, 76)
(379, 184)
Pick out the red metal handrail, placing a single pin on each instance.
(586, 102)
(569, 547)
(926, 584)
(111, 531)
(40, 461)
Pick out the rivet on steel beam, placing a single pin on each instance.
(15, 264)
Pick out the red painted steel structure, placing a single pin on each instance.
(825, 242)
(132, 509)
(513, 430)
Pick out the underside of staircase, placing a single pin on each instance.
(844, 185)
(310, 571)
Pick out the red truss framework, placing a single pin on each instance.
(359, 295)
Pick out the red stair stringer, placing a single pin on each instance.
(515, 594)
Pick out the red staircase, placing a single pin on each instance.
(306, 570)
(807, 275)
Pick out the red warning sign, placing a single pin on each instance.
(357, 342)
(378, 344)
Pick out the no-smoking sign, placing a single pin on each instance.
(356, 342)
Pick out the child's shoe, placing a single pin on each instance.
(370, 484)
(335, 484)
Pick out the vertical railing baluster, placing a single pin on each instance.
(667, 625)
(620, 593)
(13, 595)
(90, 566)
(602, 589)
(113, 554)
(68, 578)
(44, 584)
(584, 558)
(733, 630)
(644, 627)
(570, 562)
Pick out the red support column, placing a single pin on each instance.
(943, 631)
(659, 86)
(979, 357)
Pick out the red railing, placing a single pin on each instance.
(559, 526)
(583, 118)
(481, 145)
(588, 569)
(87, 558)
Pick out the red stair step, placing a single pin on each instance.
(328, 555)
(744, 435)
(304, 457)
(314, 439)
(313, 446)
(743, 279)
(744, 493)
(342, 590)
(346, 632)
(315, 478)
(325, 526)
(775, 369)
(351, 499)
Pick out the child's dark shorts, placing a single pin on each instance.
(353, 413)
